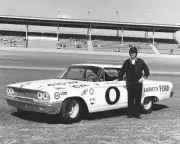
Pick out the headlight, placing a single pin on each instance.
(43, 96)
(9, 91)
(40, 95)
(46, 96)
(57, 95)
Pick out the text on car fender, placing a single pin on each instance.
(160, 88)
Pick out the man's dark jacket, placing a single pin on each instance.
(140, 66)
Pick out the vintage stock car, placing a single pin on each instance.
(80, 89)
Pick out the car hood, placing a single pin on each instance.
(50, 83)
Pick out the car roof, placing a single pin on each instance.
(98, 65)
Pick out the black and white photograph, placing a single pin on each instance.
(89, 72)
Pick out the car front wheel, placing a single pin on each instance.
(71, 111)
(147, 105)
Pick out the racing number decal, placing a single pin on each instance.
(108, 96)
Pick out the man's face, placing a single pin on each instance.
(133, 55)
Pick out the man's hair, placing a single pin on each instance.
(133, 49)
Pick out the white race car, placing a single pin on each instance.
(82, 88)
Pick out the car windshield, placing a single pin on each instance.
(83, 73)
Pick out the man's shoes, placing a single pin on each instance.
(130, 116)
(137, 116)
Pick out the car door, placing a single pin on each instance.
(109, 93)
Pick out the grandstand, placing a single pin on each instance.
(167, 46)
(49, 33)
(9, 38)
(72, 42)
(12, 41)
(114, 44)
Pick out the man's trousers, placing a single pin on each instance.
(134, 98)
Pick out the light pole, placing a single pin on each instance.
(59, 12)
(117, 13)
(89, 29)
(172, 15)
(147, 14)
(89, 13)
(29, 10)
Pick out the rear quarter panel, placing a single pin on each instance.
(160, 89)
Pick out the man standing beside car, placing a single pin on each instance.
(134, 68)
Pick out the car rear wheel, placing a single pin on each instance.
(147, 105)
(71, 111)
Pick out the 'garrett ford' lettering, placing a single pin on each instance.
(161, 88)
(151, 89)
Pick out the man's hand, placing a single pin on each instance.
(141, 80)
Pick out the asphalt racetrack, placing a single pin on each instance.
(160, 126)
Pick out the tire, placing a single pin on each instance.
(20, 111)
(71, 111)
(147, 105)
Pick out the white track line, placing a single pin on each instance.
(11, 58)
(98, 58)
(9, 54)
(104, 62)
(9, 62)
(30, 68)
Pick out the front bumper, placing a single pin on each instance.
(34, 106)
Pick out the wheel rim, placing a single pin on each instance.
(73, 108)
(147, 104)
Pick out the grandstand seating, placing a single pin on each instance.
(79, 42)
(115, 45)
(72, 44)
(102, 45)
(167, 46)
(12, 41)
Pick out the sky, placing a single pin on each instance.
(141, 11)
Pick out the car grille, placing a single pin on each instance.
(25, 99)
(25, 92)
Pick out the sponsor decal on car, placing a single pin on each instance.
(84, 92)
(55, 84)
(91, 91)
(97, 84)
(161, 88)
(113, 82)
(72, 82)
(92, 101)
(79, 86)
(58, 88)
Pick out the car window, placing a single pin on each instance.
(76, 73)
(111, 74)
(84, 73)
(91, 75)
(89, 72)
